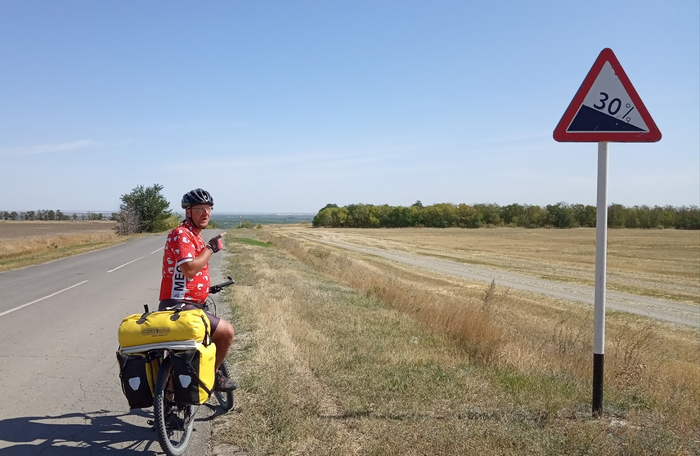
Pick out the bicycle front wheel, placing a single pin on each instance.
(174, 422)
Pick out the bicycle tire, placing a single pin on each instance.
(174, 422)
(226, 399)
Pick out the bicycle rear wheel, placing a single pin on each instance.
(226, 399)
(174, 422)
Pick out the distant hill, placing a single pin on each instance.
(228, 220)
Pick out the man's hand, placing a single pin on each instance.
(216, 243)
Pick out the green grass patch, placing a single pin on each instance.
(255, 242)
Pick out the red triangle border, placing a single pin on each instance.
(560, 133)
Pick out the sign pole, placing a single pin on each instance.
(601, 250)
(605, 109)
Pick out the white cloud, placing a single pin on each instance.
(47, 148)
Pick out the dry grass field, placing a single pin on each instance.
(17, 230)
(343, 353)
(26, 243)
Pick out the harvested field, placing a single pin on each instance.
(657, 263)
(46, 241)
(23, 230)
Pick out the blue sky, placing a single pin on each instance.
(285, 106)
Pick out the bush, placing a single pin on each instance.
(144, 210)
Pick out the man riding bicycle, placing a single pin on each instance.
(185, 282)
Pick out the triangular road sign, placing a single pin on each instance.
(606, 108)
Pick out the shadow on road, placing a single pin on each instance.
(86, 433)
(77, 434)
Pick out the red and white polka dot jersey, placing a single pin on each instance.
(181, 246)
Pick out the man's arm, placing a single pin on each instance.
(191, 268)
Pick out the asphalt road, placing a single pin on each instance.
(58, 370)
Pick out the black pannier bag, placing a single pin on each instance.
(137, 375)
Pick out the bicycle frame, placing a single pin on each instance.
(174, 431)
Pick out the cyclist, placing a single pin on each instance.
(185, 282)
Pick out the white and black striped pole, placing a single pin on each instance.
(601, 251)
(605, 109)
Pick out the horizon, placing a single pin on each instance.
(216, 213)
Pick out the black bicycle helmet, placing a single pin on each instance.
(196, 197)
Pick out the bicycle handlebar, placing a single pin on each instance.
(220, 286)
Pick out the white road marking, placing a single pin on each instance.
(125, 264)
(41, 299)
(157, 250)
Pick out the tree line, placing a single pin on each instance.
(51, 215)
(143, 210)
(560, 215)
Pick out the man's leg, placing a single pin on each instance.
(223, 338)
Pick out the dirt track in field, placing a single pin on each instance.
(672, 312)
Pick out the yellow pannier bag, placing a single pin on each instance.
(164, 326)
(193, 374)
